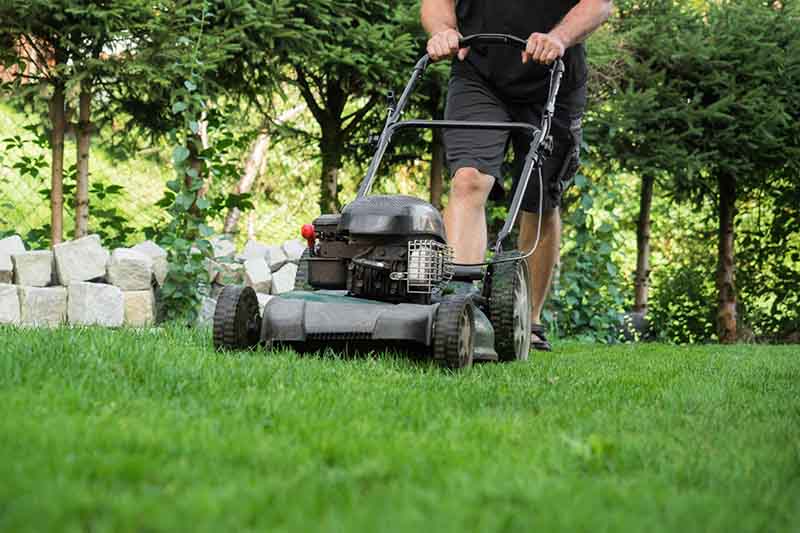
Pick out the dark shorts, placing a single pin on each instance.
(485, 150)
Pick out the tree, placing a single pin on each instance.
(723, 95)
(61, 45)
(639, 123)
(349, 51)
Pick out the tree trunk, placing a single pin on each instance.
(254, 160)
(437, 169)
(195, 145)
(57, 116)
(726, 272)
(437, 145)
(251, 227)
(642, 282)
(331, 149)
(84, 141)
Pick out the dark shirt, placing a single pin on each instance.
(501, 66)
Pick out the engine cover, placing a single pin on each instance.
(401, 216)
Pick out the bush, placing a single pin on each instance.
(683, 301)
(588, 299)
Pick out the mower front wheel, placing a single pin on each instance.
(454, 333)
(237, 320)
(510, 307)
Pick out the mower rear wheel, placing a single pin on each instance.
(510, 307)
(237, 320)
(454, 333)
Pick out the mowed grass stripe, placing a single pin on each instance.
(125, 431)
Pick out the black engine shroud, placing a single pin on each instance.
(358, 250)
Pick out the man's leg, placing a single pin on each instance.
(542, 263)
(465, 215)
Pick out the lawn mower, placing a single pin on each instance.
(381, 275)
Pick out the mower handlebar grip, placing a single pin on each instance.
(493, 39)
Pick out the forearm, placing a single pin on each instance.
(582, 21)
(438, 16)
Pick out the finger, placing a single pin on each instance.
(452, 41)
(530, 48)
(439, 50)
(531, 45)
(546, 50)
(537, 45)
(538, 50)
(551, 56)
(447, 50)
(463, 53)
(431, 50)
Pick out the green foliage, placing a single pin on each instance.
(186, 234)
(769, 261)
(236, 56)
(682, 301)
(153, 431)
(186, 198)
(348, 52)
(64, 39)
(588, 299)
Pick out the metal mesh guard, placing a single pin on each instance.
(430, 264)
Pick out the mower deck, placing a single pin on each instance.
(304, 319)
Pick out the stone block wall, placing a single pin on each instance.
(82, 283)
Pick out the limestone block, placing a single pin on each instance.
(95, 304)
(213, 268)
(225, 272)
(207, 308)
(42, 306)
(8, 247)
(140, 308)
(80, 260)
(223, 247)
(258, 275)
(9, 304)
(33, 269)
(293, 250)
(159, 257)
(253, 250)
(130, 270)
(277, 258)
(263, 300)
(283, 279)
(215, 290)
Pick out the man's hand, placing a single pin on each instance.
(444, 45)
(543, 48)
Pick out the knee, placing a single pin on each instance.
(470, 185)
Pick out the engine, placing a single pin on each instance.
(387, 248)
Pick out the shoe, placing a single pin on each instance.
(539, 340)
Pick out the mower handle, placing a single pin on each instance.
(396, 109)
(493, 39)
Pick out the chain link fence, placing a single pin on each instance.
(24, 208)
(122, 196)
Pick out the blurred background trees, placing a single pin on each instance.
(683, 221)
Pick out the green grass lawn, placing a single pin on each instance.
(126, 431)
